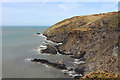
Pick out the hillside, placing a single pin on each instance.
(64, 27)
(93, 37)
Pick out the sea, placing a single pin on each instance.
(18, 48)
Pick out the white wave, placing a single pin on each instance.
(40, 48)
(37, 49)
(46, 65)
(65, 71)
(45, 54)
(43, 46)
(71, 72)
(49, 41)
(28, 59)
(73, 75)
(44, 42)
(41, 35)
(71, 67)
(59, 43)
(76, 60)
(79, 62)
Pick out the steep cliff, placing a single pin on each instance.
(94, 37)
(64, 27)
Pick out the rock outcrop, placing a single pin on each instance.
(94, 37)
(77, 72)
(49, 50)
(54, 64)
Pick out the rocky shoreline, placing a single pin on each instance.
(68, 71)
(92, 40)
(52, 48)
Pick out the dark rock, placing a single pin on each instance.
(75, 56)
(77, 77)
(80, 70)
(70, 69)
(59, 66)
(40, 60)
(50, 49)
(82, 59)
(53, 64)
(38, 33)
(103, 36)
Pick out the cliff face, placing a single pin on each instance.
(60, 30)
(94, 37)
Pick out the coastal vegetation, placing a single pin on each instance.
(101, 75)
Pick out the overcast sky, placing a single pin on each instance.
(48, 13)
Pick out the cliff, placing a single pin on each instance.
(93, 37)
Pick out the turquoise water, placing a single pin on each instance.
(18, 45)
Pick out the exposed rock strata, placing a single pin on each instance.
(93, 37)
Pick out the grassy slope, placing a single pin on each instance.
(74, 23)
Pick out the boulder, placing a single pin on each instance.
(50, 50)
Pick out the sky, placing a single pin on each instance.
(49, 13)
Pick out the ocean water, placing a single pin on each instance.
(18, 45)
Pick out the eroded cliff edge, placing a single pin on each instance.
(93, 37)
